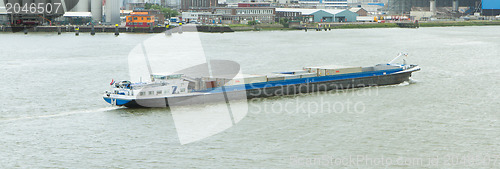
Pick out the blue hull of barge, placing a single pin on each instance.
(301, 81)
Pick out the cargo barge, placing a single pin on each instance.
(185, 88)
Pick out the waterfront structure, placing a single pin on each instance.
(159, 18)
(323, 15)
(359, 11)
(490, 7)
(239, 15)
(140, 19)
(421, 15)
(193, 16)
(334, 15)
(77, 18)
(323, 4)
(289, 15)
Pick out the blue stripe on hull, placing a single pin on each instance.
(301, 81)
(118, 101)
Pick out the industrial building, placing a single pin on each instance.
(321, 15)
(405, 6)
(187, 5)
(289, 15)
(159, 18)
(239, 15)
(359, 11)
(109, 13)
(490, 7)
(140, 19)
(254, 4)
(323, 4)
(192, 16)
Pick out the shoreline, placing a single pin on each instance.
(358, 25)
(260, 27)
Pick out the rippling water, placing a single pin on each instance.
(52, 113)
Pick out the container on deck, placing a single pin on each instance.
(312, 69)
(337, 70)
(295, 72)
(288, 77)
(385, 67)
(306, 75)
(246, 79)
(210, 84)
(275, 78)
(220, 82)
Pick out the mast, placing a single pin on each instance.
(147, 61)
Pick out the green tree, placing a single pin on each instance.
(284, 22)
(165, 11)
(147, 6)
(252, 23)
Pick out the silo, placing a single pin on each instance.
(96, 10)
(81, 6)
(112, 11)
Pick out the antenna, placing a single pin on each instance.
(397, 57)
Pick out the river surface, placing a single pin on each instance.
(52, 113)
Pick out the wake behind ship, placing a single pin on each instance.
(186, 88)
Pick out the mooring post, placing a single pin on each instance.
(116, 30)
(180, 27)
(92, 30)
(167, 30)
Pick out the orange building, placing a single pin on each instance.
(140, 19)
